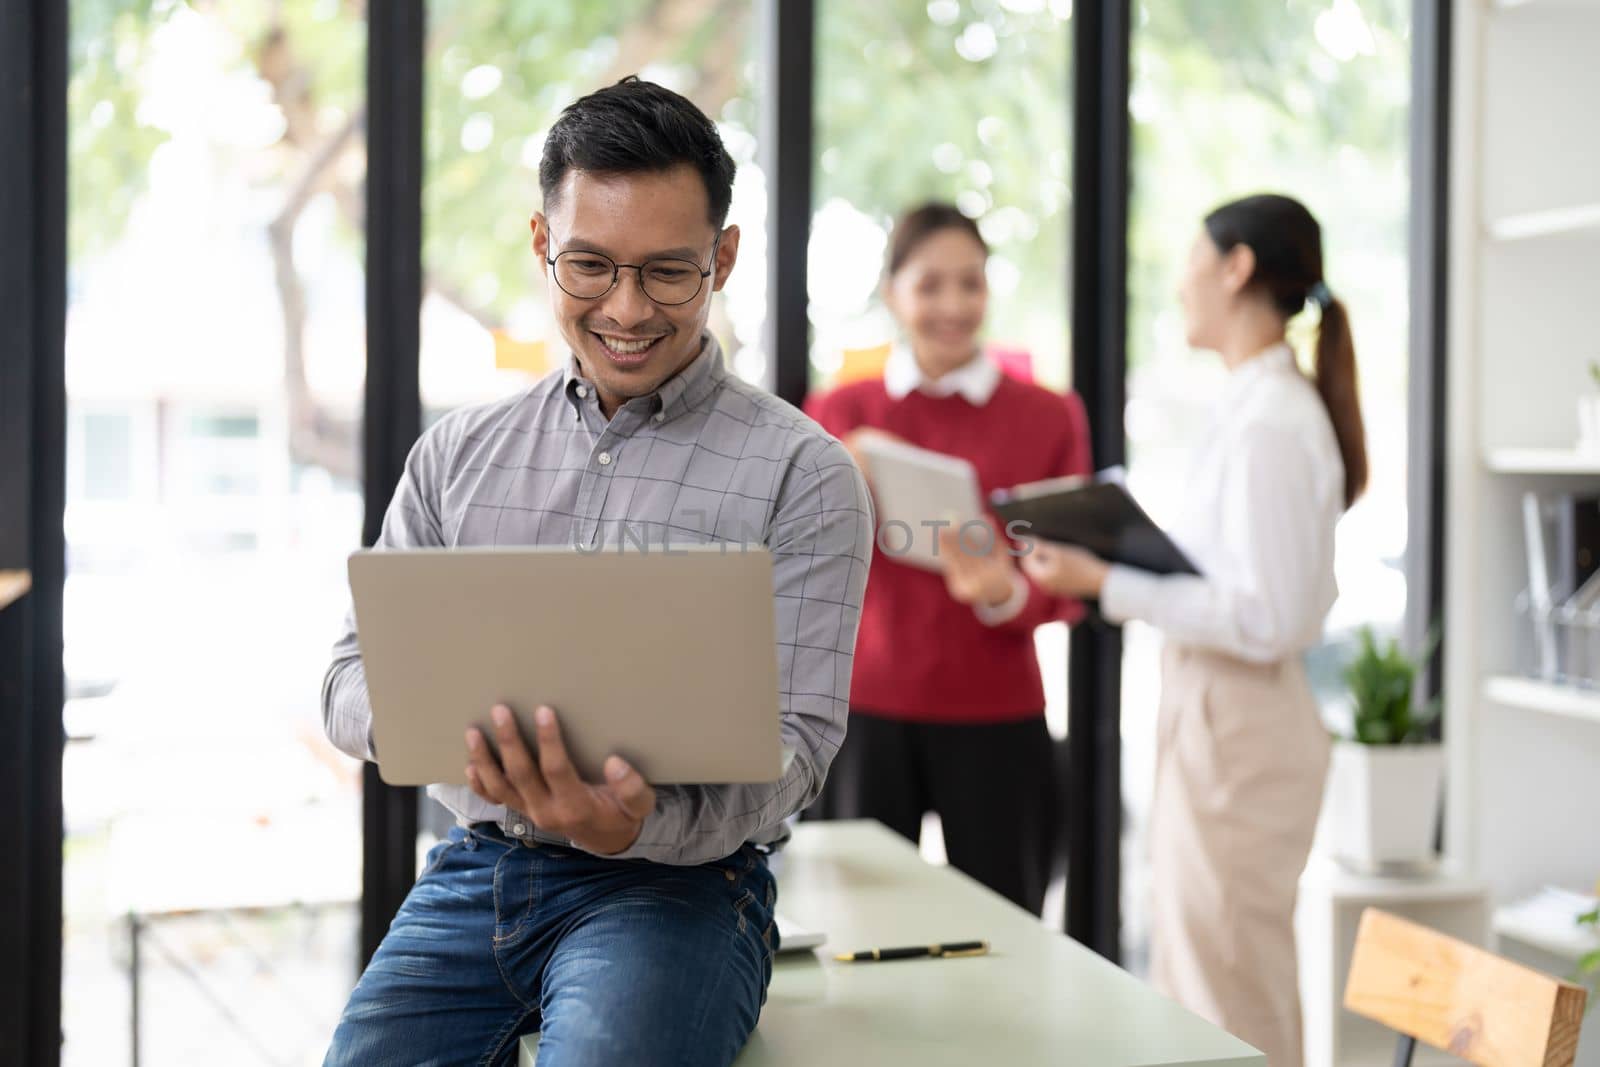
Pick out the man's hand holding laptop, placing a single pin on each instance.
(604, 819)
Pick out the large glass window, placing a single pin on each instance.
(967, 101)
(963, 101)
(215, 357)
(1309, 99)
(498, 76)
(214, 365)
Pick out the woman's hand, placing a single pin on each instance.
(977, 570)
(1066, 570)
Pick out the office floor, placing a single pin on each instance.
(273, 986)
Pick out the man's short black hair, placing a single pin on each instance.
(636, 126)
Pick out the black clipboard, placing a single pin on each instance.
(1097, 515)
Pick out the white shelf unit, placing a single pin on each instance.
(1511, 5)
(1567, 946)
(1551, 698)
(1521, 334)
(1578, 220)
(1524, 280)
(1547, 461)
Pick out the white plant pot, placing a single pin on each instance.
(1589, 423)
(1383, 805)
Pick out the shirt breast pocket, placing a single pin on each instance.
(691, 527)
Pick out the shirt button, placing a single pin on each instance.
(518, 829)
(660, 416)
(604, 459)
(582, 392)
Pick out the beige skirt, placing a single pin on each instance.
(1241, 759)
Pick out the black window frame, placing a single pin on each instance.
(33, 446)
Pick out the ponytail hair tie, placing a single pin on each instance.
(1320, 295)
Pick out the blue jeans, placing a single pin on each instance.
(613, 961)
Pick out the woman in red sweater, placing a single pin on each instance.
(947, 707)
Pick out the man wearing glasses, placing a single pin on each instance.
(627, 924)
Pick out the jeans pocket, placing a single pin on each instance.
(516, 891)
(440, 852)
(758, 896)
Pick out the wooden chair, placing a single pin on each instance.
(1455, 997)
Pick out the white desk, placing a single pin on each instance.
(1036, 998)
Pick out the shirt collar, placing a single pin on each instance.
(975, 381)
(1273, 360)
(682, 392)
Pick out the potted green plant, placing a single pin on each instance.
(1588, 972)
(1384, 783)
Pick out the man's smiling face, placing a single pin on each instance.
(625, 342)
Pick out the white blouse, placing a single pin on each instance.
(1265, 492)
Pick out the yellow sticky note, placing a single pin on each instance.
(861, 363)
(512, 354)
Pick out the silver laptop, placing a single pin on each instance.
(666, 658)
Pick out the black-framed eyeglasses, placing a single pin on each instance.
(591, 275)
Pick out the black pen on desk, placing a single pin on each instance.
(955, 948)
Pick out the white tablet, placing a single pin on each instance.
(915, 488)
(667, 658)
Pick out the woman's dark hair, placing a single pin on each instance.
(921, 223)
(1287, 243)
(636, 126)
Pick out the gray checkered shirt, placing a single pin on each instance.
(706, 459)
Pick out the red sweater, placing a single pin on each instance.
(921, 655)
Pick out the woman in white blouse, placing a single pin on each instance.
(1241, 750)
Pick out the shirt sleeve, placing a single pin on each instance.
(412, 521)
(1029, 606)
(1253, 602)
(821, 543)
